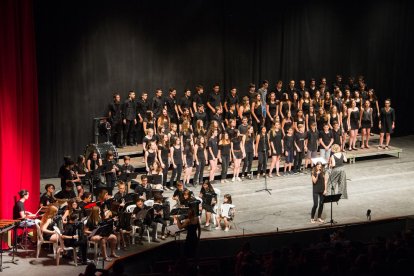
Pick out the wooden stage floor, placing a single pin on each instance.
(383, 184)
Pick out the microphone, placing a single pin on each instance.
(369, 214)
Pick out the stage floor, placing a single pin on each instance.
(384, 185)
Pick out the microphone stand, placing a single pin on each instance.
(265, 165)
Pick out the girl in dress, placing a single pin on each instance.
(200, 153)
(226, 212)
(310, 117)
(150, 155)
(164, 157)
(353, 124)
(257, 113)
(188, 162)
(285, 105)
(366, 122)
(262, 147)
(287, 123)
(276, 147)
(244, 110)
(386, 124)
(238, 153)
(272, 109)
(209, 197)
(249, 149)
(319, 185)
(213, 153)
(177, 158)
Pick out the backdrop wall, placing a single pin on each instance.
(86, 51)
(19, 121)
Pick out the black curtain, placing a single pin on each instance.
(87, 50)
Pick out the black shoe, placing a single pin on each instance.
(140, 242)
(155, 240)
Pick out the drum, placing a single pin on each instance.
(101, 149)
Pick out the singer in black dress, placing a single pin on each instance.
(386, 124)
(262, 146)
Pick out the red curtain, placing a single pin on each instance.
(19, 123)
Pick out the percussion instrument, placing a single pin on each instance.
(5, 226)
(101, 149)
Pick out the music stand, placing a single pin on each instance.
(331, 199)
(265, 166)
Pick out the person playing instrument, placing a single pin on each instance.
(192, 224)
(225, 212)
(94, 161)
(48, 197)
(209, 197)
(47, 225)
(104, 201)
(120, 195)
(69, 175)
(126, 169)
(73, 237)
(86, 199)
(94, 222)
(337, 178)
(144, 188)
(179, 193)
(111, 170)
(319, 185)
(19, 212)
(159, 214)
(142, 217)
(73, 209)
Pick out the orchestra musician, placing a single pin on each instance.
(111, 170)
(179, 193)
(159, 214)
(67, 193)
(95, 220)
(144, 188)
(47, 225)
(48, 198)
(73, 208)
(126, 169)
(143, 216)
(69, 175)
(73, 237)
(19, 212)
(209, 198)
(86, 199)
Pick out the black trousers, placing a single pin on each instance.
(248, 161)
(141, 226)
(82, 244)
(162, 222)
(262, 158)
(164, 173)
(116, 130)
(176, 172)
(317, 196)
(198, 176)
(225, 161)
(298, 161)
(129, 129)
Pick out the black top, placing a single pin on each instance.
(288, 142)
(18, 207)
(306, 107)
(387, 117)
(276, 139)
(164, 154)
(177, 156)
(332, 119)
(151, 158)
(337, 136)
(243, 129)
(224, 149)
(248, 144)
(231, 115)
(143, 107)
(313, 137)
(200, 116)
(339, 162)
(129, 109)
(185, 102)
(232, 100)
(326, 137)
(272, 108)
(300, 140)
(198, 99)
(288, 124)
(263, 143)
(236, 143)
(126, 169)
(65, 194)
(319, 186)
(157, 106)
(207, 196)
(171, 104)
(45, 199)
(200, 154)
(65, 175)
(214, 99)
(213, 145)
(116, 112)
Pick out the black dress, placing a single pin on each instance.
(305, 107)
(212, 144)
(237, 148)
(387, 119)
(191, 241)
(276, 139)
(354, 119)
(189, 156)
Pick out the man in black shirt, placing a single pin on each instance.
(217, 117)
(312, 88)
(142, 218)
(214, 101)
(198, 97)
(144, 188)
(129, 110)
(86, 199)
(232, 98)
(67, 175)
(279, 90)
(158, 103)
(115, 118)
(171, 104)
(252, 92)
(73, 237)
(143, 106)
(300, 147)
(186, 102)
(19, 212)
(302, 88)
(291, 89)
(48, 197)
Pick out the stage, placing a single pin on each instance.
(382, 184)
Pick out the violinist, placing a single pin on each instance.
(48, 198)
(159, 214)
(111, 170)
(143, 217)
(73, 237)
(144, 188)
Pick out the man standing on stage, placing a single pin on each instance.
(171, 104)
(263, 95)
(115, 118)
(214, 101)
(129, 110)
(143, 106)
(158, 103)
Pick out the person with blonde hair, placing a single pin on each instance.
(337, 178)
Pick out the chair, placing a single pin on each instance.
(41, 241)
(75, 257)
(231, 221)
(95, 243)
(130, 209)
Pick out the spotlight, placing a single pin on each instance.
(369, 214)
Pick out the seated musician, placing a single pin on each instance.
(86, 199)
(144, 188)
(111, 170)
(69, 175)
(46, 226)
(142, 216)
(121, 194)
(209, 198)
(80, 166)
(19, 212)
(73, 209)
(125, 170)
(179, 193)
(104, 201)
(67, 193)
(48, 197)
(73, 237)
(159, 214)
(94, 221)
